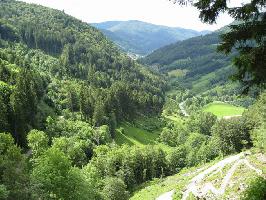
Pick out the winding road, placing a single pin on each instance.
(200, 190)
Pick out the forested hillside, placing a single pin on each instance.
(142, 38)
(80, 120)
(55, 65)
(194, 62)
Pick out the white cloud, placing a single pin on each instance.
(160, 12)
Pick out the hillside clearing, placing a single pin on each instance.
(128, 134)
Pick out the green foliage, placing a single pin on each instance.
(76, 149)
(102, 135)
(14, 176)
(3, 192)
(201, 123)
(175, 134)
(259, 137)
(193, 144)
(77, 139)
(177, 159)
(149, 123)
(256, 190)
(54, 178)
(7, 31)
(232, 135)
(38, 142)
(23, 101)
(4, 126)
(52, 72)
(133, 165)
(255, 119)
(114, 189)
(80, 129)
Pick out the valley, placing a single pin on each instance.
(84, 117)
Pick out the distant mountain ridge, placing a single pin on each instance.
(141, 37)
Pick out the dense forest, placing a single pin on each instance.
(69, 100)
(47, 68)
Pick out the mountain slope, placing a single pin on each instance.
(52, 64)
(141, 37)
(194, 62)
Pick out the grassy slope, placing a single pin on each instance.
(135, 136)
(221, 109)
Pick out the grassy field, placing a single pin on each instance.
(128, 134)
(221, 109)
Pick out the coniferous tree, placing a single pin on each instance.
(24, 105)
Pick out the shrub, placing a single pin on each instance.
(114, 189)
(256, 190)
(232, 135)
(177, 159)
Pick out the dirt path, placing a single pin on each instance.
(195, 187)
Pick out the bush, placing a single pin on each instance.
(114, 189)
(193, 145)
(174, 135)
(202, 122)
(259, 137)
(3, 192)
(232, 135)
(177, 159)
(256, 190)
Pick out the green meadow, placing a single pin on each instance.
(131, 135)
(221, 109)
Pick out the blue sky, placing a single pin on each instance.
(160, 12)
